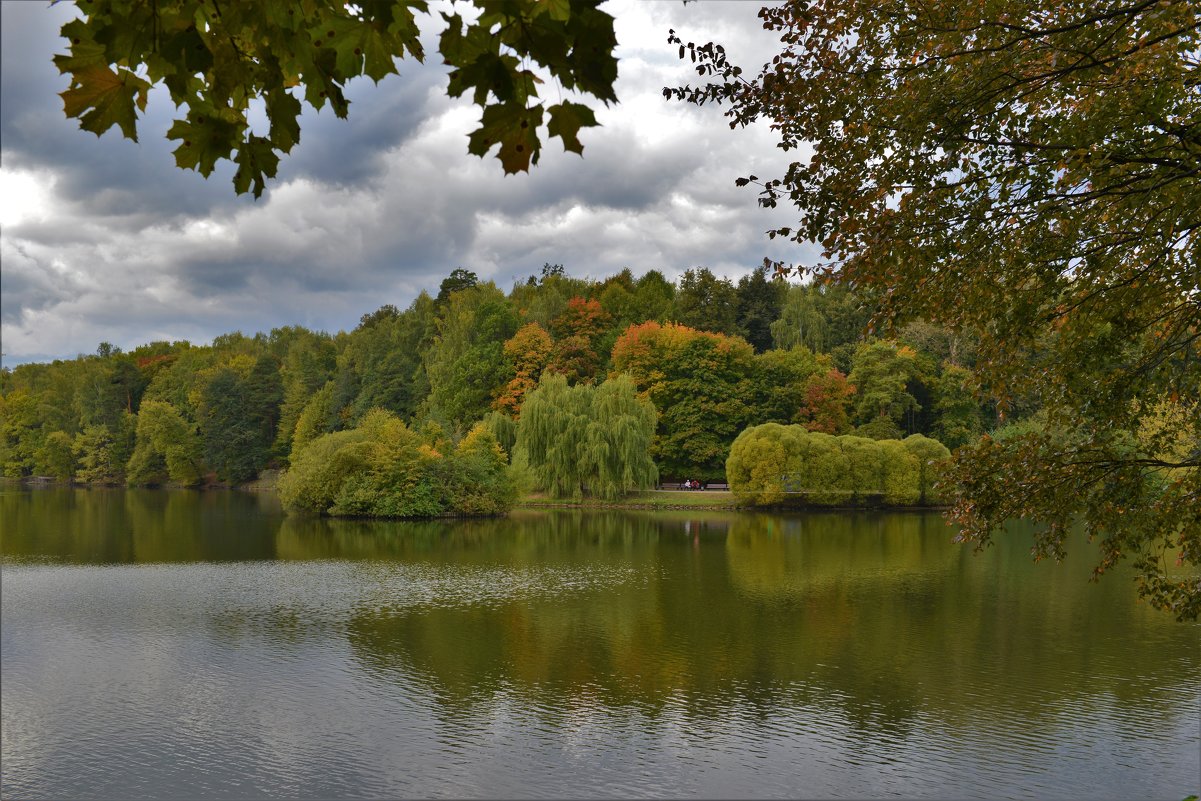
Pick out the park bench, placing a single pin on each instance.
(679, 485)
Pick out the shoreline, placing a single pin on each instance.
(643, 501)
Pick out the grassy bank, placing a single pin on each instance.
(656, 499)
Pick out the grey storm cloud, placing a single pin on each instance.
(106, 240)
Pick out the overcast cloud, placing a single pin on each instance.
(106, 240)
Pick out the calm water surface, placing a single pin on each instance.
(205, 645)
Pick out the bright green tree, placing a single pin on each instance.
(957, 409)
(167, 447)
(465, 363)
(307, 364)
(932, 458)
(882, 374)
(587, 439)
(382, 468)
(771, 463)
(56, 457)
(101, 454)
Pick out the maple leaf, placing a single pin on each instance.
(255, 159)
(566, 119)
(102, 98)
(205, 139)
(515, 128)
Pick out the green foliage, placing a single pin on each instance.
(459, 279)
(21, 430)
(253, 400)
(759, 302)
(865, 467)
(237, 412)
(587, 439)
(379, 363)
(759, 464)
(882, 427)
(781, 378)
(502, 428)
(973, 170)
(307, 365)
(932, 457)
(702, 385)
(382, 468)
(465, 363)
(958, 409)
(821, 317)
(101, 454)
(216, 60)
(771, 463)
(707, 303)
(318, 417)
(901, 473)
(56, 457)
(881, 373)
(166, 447)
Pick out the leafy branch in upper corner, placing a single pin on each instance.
(215, 57)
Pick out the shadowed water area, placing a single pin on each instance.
(206, 645)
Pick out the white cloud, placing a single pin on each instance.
(106, 240)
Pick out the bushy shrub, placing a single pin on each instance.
(823, 470)
(758, 464)
(901, 473)
(931, 455)
(771, 463)
(382, 468)
(865, 462)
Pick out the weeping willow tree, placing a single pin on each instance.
(588, 439)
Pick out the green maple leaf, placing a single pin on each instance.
(362, 48)
(207, 137)
(85, 51)
(566, 119)
(101, 98)
(559, 10)
(255, 159)
(515, 128)
(283, 110)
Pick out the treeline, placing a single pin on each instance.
(711, 356)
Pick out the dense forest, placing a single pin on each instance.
(707, 358)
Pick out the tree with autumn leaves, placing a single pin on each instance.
(1028, 174)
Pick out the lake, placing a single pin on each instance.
(206, 645)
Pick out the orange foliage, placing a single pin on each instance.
(528, 351)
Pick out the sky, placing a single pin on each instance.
(106, 240)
